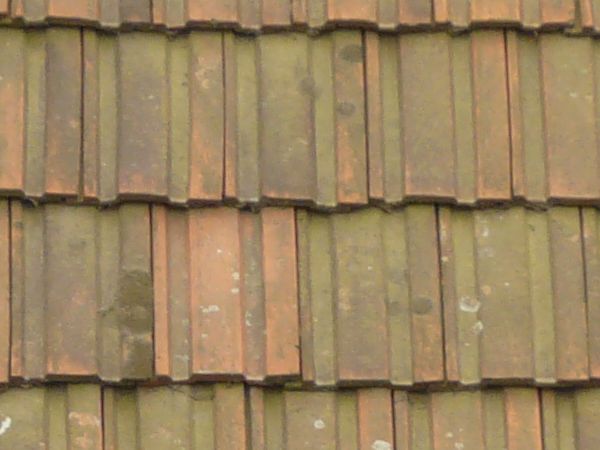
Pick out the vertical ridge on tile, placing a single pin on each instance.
(13, 70)
(5, 300)
(206, 106)
(591, 242)
(350, 132)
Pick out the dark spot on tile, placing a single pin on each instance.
(352, 53)
(421, 305)
(308, 87)
(346, 109)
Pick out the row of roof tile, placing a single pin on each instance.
(315, 14)
(418, 295)
(89, 417)
(287, 118)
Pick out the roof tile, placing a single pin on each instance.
(571, 418)
(490, 419)
(321, 420)
(67, 417)
(390, 259)
(41, 114)
(81, 292)
(554, 130)
(502, 268)
(466, 155)
(226, 293)
(182, 417)
(280, 141)
(170, 110)
(526, 14)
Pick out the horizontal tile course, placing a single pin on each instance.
(417, 296)
(314, 14)
(223, 416)
(331, 121)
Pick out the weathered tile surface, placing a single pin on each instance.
(571, 419)
(514, 295)
(370, 299)
(295, 119)
(40, 111)
(226, 297)
(81, 292)
(248, 15)
(163, 138)
(438, 117)
(490, 419)
(106, 13)
(554, 100)
(175, 417)
(348, 420)
(526, 14)
(52, 417)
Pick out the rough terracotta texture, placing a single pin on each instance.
(514, 295)
(226, 296)
(67, 417)
(369, 297)
(81, 293)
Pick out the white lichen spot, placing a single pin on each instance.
(370, 268)
(449, 435)
(506, 284)
(488, 252)
(445, 259)
(209, 309)
(459, 446)
(469, 304)
(235, 276)
(219, 251)
(573, 94)
(319, 424)
(204, 336)
(477, 327)
(5, 425)
(235, 290)
(485, 232)
(381, 445)
(248, 318)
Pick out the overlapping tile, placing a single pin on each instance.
(40, 112)
(105, 13)
(226, 294)
(571, 419)
(81, 293)
(348, 420)
(175, 417)
(67, 417)
(554, 99)
(370, 297)
(514, 295)
(449, 141)
(247, 15)
(295, 120)
(523, 13)
(489, 420)
(163, 138)
(382, 14)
